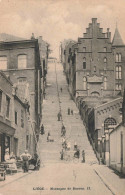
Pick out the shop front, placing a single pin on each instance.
(6, 140)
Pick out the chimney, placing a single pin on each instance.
(123, 110)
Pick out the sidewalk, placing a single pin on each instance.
(111, 180)
(12, 177)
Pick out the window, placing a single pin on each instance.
(118, 86)
(108, 122)
(94, 68)
(84, 63)
(105, 49)
(84, 83)
(3, 63)
(84, 49)
(118, 72)
(22, 80)
(118, 57)
(105, 83)
(22, 119)
(22, 61)
(7, 106)
(0, 100)
(15, 117)
(105, 60)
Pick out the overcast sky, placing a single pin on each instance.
(56, 20)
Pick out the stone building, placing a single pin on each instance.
(116, 139)
(7, 129)
(20, 61)
(16, 133)
(97, 63)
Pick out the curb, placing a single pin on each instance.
(113, 191)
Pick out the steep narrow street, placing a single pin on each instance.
(58, 176)
(75, 130)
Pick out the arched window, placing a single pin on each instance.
(3, 62)
(108, 122)
(120, 57)
(105, 60)
(105, 83)
(118, 72)
(84, 63)
(84, 83)
(116, 57)
(22, 61)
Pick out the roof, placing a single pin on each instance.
(7, 37)
(117, 40)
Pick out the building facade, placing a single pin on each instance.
(20, 61)
(98, 63)
(7, 129)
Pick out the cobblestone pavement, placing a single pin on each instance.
(57, 176)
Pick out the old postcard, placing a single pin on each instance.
(62, 97)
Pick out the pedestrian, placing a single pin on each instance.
(68, 145)
(77, 153)
(42, 130)
(59, 116)
(83, 156)
(48, 137)
(63, 127)
(75, 146)
(68, 111)
(25, 157)
(61, 89)
(62, 154)
(72, 112)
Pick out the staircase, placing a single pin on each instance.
(75, 130)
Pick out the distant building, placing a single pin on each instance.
(44, 55)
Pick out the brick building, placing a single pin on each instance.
(20, 61)
(97, 63)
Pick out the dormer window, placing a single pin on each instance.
(22, 61)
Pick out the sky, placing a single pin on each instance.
(56, 20)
